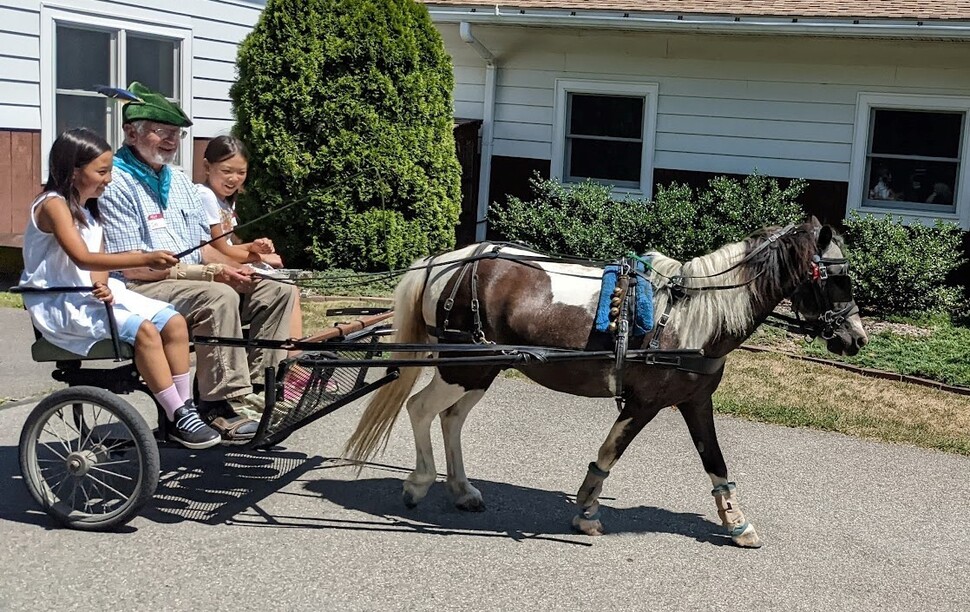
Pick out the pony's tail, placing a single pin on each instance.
(375, 425)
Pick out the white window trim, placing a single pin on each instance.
(860, 146)
(649, 91)
(84, 13)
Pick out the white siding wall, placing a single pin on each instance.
(19, 65)
(218, 26)
(782, 106)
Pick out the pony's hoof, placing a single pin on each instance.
(410, 500)
(590, 527)
(748, 538)
(470, 503)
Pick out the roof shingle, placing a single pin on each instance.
(876, 9)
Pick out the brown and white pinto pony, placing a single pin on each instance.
(553, 304)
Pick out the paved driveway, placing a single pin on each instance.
(847, 524)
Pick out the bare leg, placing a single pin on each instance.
(465, 495)
(423, 407)
(150, 358)
(175, 343)
(632, 419)
(699, 417)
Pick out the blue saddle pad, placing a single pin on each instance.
(643, 321)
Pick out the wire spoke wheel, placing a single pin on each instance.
(88, 458)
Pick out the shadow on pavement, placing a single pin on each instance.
(512, 511)
(16, 504)
(213, 486)
(208, 487)
(222, 486)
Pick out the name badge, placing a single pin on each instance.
(156, 221)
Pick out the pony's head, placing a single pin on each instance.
(824, 300)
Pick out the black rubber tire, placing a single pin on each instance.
(142, 443)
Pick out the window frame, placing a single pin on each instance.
(648, 91)
(142, 22)
(858, 189)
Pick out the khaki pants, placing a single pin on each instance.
(214, 309)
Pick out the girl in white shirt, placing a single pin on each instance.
(226, 164)
(63, 247)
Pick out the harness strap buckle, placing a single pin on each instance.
(449, 304)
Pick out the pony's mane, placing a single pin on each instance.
(709, 315)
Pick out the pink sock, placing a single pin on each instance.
(170, 401)
(184, 385)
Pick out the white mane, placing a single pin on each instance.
(707, 314)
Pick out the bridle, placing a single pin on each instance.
(828, 289)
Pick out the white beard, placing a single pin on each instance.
(163, 158)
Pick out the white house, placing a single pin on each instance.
(640, 92)
(53, 51)
(632, 92)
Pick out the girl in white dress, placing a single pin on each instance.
(63, 248)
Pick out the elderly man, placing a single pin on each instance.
(151, 205)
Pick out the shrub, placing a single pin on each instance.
(684, 226)
(574, 219)
(581, 219)
(902, 270)
(346, 104)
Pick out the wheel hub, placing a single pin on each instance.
(80, 463)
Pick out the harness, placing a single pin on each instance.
(828, 289)
(477, 334)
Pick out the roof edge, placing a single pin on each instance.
(693, 22)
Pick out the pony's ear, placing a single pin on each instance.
(814, 222)
(824, 238)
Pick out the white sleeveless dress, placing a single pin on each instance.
(74, 321)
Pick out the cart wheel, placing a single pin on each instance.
(88, 458)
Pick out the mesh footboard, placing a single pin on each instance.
(308, 387)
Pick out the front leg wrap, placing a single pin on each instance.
(588, 519)
(729, 511)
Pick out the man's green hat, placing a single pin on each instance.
(151, 106)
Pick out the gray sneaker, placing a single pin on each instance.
(190, 431)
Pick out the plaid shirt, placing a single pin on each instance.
(133, 220)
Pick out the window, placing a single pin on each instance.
(88, 50)
(605, 132)
(908, 157)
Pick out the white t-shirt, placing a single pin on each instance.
(217, 211)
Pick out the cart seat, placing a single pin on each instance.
(42, 350)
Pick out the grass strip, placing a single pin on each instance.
(776, 389)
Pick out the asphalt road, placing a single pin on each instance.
(847, 524)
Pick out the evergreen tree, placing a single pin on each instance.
(346, 104)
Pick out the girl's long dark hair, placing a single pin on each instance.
(222, 148)
(72, 150)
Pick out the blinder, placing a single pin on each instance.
(833, 294)
(838, 288)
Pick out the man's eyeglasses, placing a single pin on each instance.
(169, 133)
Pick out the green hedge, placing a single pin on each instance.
(900, 269)
(581, 219)
(346, 106)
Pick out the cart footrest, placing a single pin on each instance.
(306, 388)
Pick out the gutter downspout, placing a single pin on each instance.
(488, 123)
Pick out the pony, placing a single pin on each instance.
(514, 295)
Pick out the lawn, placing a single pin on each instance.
(929, 347)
